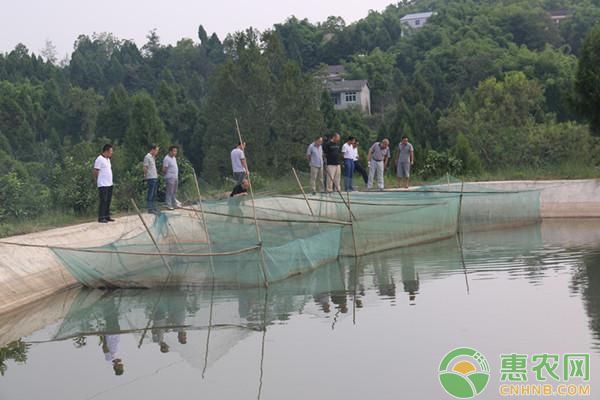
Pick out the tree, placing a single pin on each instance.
(114, 115)
(587, 83)
(145, 127)
(49, 52)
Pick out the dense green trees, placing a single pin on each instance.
(588, 79)
(484, 85)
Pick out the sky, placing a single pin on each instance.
(32, 22)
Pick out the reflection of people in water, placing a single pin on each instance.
(322, 300)
(384, 280)
(410, 278)
(340, 300)
(176, 315)
(110, 348)
(110, 341)
(158, 328)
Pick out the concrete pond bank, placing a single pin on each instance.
(30, 274)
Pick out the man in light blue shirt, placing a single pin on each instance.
(171, 173)
(314, 155)
(404, 161)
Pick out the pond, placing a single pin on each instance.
(376, 327)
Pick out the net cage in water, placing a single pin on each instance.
(184, 255)
(239, 242)
(484, 207)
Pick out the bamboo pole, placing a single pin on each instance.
(303, 193)
(300, 221)
(258, 234)
(262, 347)
(212, 269)
(137, 210)
(130, 253)
(350, 217)
(459, 216)
(340, 193)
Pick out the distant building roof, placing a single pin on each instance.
(559, 13)
(346, 86)
(335, 69)
(420, 15)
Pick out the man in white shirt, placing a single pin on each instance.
(104, 181)
(171, 173)
(348, 153)
(314, 154)
(238, 163)
(151, 177)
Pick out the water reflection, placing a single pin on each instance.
(202, 326)
(587, 282)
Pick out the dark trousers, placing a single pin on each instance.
(238, 177)
(105, 196)
(151, 195)
(348, 174)
(363, 172)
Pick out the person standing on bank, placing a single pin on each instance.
(238, 163)
(171, 173)
(378, 157)
(314, 155)
(331, 150)
(151, 177)
(104, 181)
(405, 159)
(348, 152)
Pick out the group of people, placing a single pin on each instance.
(104, 180)
(326, 160)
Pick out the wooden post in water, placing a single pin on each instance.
(137, 210)
(258, 234)
(459, 216)
(303, 193)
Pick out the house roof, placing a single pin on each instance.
(346, 86)
(420, 15)
(335, 69)
(559, 13)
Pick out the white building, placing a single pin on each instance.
(416, 20)
(558, 16)
(347, 94)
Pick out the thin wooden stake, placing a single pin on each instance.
(258, 234)
(340, 193)
(459, 216)
(137, 210)
(303, 193)
(212, 269)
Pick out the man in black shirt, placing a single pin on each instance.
(331, 152)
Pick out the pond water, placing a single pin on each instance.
(373, 328)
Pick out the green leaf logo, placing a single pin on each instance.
(464, 373)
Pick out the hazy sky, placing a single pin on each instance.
(33, 21)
